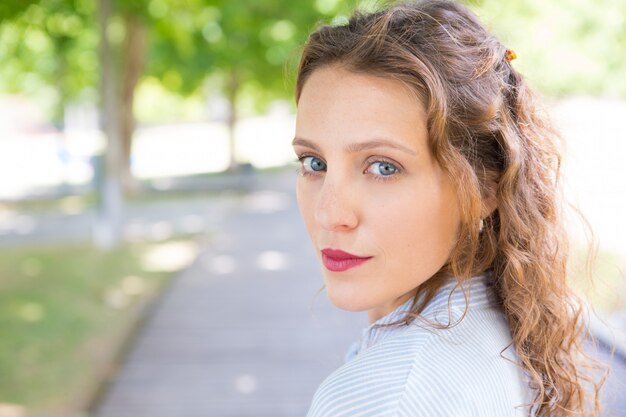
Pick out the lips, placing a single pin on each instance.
(337, 260)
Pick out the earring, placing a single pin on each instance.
(481, 225)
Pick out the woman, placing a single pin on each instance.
(429, 186)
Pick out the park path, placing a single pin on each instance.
(241, 332)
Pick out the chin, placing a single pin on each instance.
(345, 297)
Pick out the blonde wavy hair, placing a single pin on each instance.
(487, 132)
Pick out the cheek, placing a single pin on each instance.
(420, 227)
(305, 199)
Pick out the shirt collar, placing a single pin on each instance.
(479, 293)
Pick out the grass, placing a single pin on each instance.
(64, 309)
(60, 307)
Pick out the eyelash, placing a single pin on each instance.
(380, 178)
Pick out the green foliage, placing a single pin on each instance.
(10, 8)
(247, 42)
(51, 44)
(50, 47)
(564, 46)
(176, 56)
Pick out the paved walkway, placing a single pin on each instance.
(241, 333)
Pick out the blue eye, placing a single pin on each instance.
(311, 163)
(384, 169)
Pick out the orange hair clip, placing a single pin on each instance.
(510, 55)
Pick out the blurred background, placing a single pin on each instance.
(152, 261)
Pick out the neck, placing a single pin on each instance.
(381, 311)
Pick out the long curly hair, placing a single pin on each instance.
(489, 135)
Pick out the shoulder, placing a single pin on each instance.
(372, 382)
(462, 371)
(468, 370)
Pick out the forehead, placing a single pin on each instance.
(337, 104)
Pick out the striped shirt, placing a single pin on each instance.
(421, 371)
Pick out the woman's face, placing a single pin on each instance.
(369, 187)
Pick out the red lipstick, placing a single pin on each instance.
(337, 260)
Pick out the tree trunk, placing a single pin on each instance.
(59, 109)
(108, 227)
(133, 58)
(232, 91)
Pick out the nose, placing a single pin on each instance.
(336, 208)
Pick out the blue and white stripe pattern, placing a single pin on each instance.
(421, 371)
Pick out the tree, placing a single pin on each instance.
(108, 227)
(50, 43)
(133, 55)
(181, 42)
(10, 8)
(245, 43)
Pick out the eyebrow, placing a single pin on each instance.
(358, 146)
